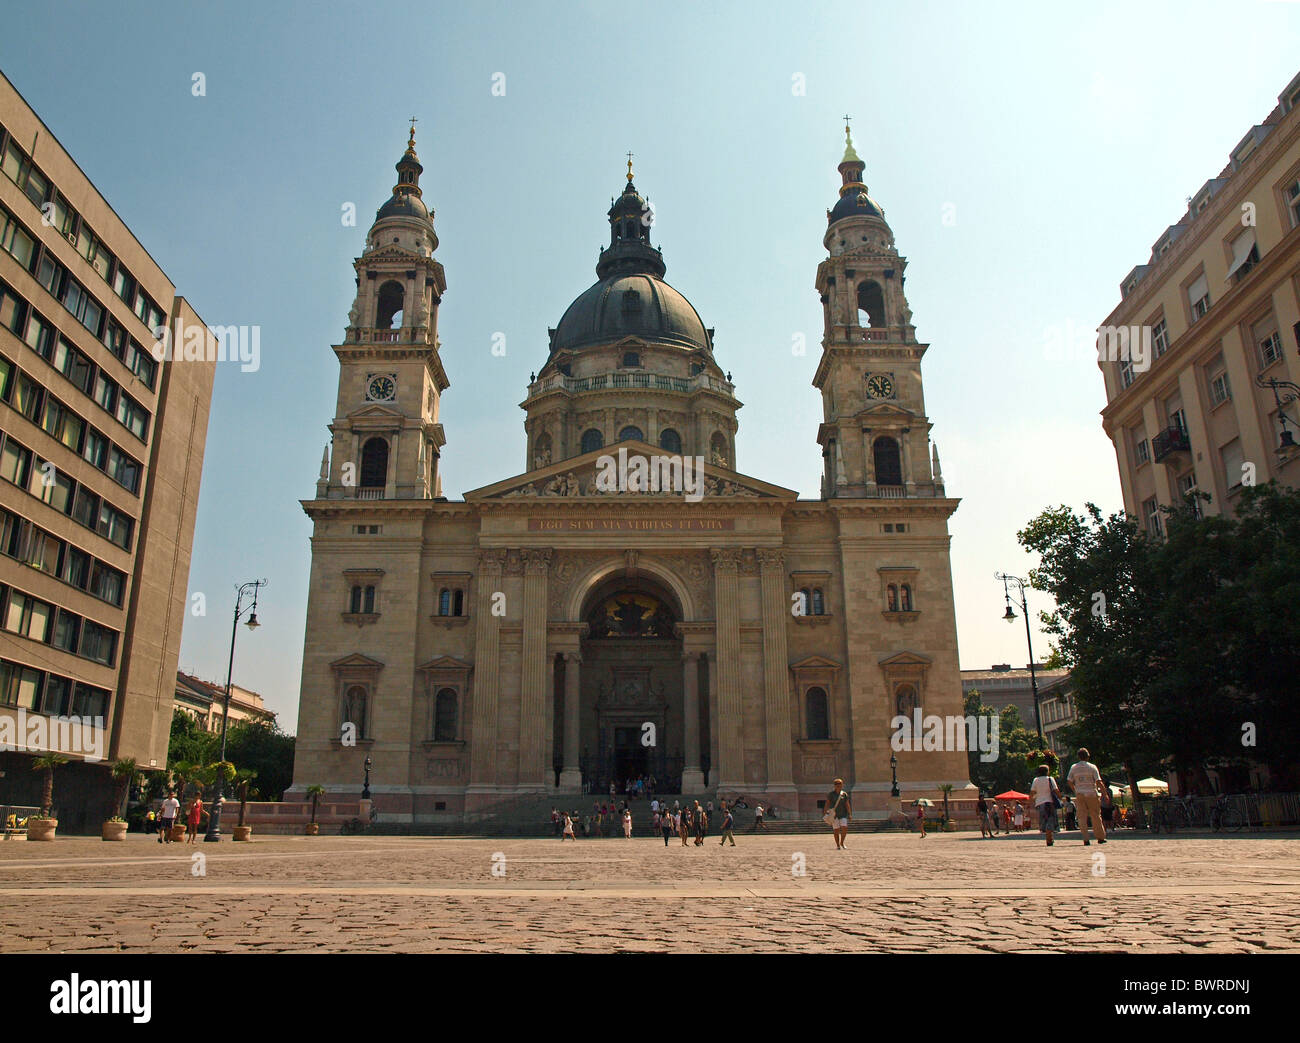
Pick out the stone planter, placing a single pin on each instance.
(243, 832)
(41, 828)
(178, 832)
(113, 831)
(313, 829)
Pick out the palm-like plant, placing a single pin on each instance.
(183, 772)
(243, 778)
(46, 763)
(947, 788)
(315, 792)
(124, 772)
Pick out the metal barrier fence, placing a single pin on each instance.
(13, 817)
(1223, 813)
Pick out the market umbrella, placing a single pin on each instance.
(1152, 786)
(924, 800)
(1012, 795)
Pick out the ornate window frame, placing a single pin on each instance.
(361, 578)
(439, 673)
(899, 577)
(811, 580)
(355, 670)
(454, 582)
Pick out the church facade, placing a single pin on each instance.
(631, 603)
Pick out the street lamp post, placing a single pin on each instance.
(1286, 442)
(1010, 616)
(893, 770)
(214, 816)
(365, 785)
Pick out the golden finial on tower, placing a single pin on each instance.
(629, 168)
(410, 143)
(850, 156)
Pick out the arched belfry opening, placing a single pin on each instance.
(388, 313)
(632, 683)
(871, 304)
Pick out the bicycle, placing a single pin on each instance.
(1226, 815)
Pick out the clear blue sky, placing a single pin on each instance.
(1066, 138)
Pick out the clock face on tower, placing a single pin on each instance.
(381, 387)
(879, 385)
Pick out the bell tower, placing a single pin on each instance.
(875, 436)
(386, 438)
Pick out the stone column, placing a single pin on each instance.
(692, 775)
(905, 437)
(730, 769)
(571, 775)
(776, 669)
(487, 656)
(390, 480)
(534, 728)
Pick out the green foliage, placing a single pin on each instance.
(46, 763)
(262, 748)
(123, 772)
(1199, 633)
(1019, 750)
(315, 792)
(190, 741)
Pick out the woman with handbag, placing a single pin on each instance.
(1046, 796)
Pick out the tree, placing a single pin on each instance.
(315, 792)
(123, 772)
(46, 763)
(261, 747)
(190, 741)
(1178, 645)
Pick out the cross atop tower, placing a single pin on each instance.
(629, 166)
(411, 141)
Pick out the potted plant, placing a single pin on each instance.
(42, 827)
(123, 771)
(242, 779)
(949, 826)
(217, 775)
(315, 792)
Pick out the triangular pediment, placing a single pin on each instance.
(445, 662)
(356, 661)
(815, 662)
(376, 411)
(576, 478)
(905, 658)
(886, 411)
(389, 252)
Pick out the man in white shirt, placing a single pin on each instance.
(171, 807)
(1085, 781)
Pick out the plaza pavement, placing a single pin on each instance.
(889, 892)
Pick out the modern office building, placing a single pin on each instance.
(1218, 305)
(101, 451)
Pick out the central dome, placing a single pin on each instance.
(631, 304)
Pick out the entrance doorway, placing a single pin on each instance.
(630, 757)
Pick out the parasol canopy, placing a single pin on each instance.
(1012, 795)
(1152, 786)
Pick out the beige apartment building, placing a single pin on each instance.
(205, 702)
(1219, 302)
(101, 451)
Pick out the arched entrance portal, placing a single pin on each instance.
(631, 693)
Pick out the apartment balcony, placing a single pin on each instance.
(1168, 442)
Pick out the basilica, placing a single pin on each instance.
(563, 628)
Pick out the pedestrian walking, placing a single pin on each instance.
(701, 824)
(839, 810)
(920, 818)
(171, 807)
(667, 826)
(986, 823)
(684, 825)
(568, 829)
(728, 823)
(1085, 781)
(1047, 798)
(758, 818)
(192, 820)
(627, 824)
(1020, 817)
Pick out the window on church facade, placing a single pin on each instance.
(888, 462)
(631, 433)
(444, 716)
(388, 312)
(592, 440)
(670, 441)
(817, 714)
(362, 600)
(871, 305)
(818, 602)
(451, 602)
(905, 598)
(891, 598)
(374, 464)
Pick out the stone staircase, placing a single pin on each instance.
(530, 816)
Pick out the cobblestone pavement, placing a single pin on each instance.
(886, 893)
